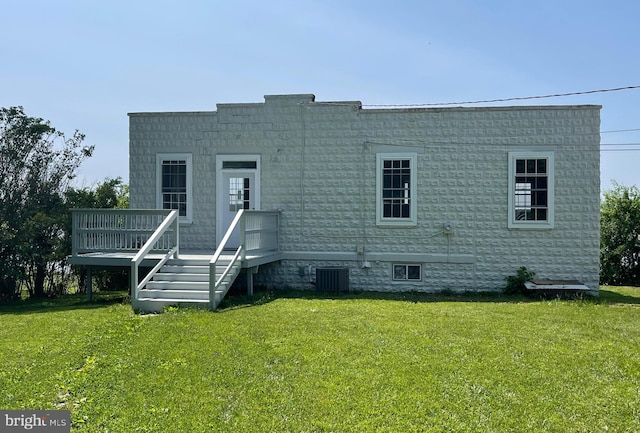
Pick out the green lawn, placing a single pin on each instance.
(355, 363)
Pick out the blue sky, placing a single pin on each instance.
(85, 64)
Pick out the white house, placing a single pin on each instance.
(398, 199)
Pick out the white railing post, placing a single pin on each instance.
(243, 235)
(176, 237)
(74, 233)
(134, 281)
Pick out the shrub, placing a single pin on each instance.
(515, 283)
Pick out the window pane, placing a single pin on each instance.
(399, 272)
(386, 209)
(542, 166)
(239, 164)
(413, 272)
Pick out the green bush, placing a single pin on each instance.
(515, 283)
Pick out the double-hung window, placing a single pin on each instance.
(174, 184)
(531, 190)
(396, 189)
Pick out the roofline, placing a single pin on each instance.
(308, 100)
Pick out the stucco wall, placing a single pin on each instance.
(318, 165)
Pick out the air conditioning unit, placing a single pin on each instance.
(332, 279)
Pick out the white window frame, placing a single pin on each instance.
(513, 223)
(406, 279)
(188, 158)
(412, 220)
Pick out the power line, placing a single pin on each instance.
(519, 98)
(619, 130)
(620, 150)
(619, 144)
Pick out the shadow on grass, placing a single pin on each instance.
(265, 296)
(64, 303)
(611, 297)
(235, 299)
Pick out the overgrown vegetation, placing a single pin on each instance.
(37, 166)
(620, 236)
(357, 363)
(515, 283)
(111, 193)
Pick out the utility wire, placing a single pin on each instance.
(619, 130)
(521, 98)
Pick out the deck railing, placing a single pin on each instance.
(119, 230)
(259, 231)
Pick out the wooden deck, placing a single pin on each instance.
(123, 259)
(148, 243)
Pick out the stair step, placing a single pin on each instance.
(189, 269)
(173, 300)
(166, 276)
(164, 294)
(178, 285)
(186, 281)
(189, 262)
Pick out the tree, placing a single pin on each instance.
(620, 236)
(111, 193)
(37, 164)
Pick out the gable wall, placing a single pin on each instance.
(319, 167)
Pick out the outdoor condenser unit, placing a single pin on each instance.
(332, 279)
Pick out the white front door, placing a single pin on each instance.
(237, 188)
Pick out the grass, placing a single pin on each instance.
(299, 362)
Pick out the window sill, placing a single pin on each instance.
(531, 226)
(396, 224)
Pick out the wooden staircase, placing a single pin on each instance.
(187, 282)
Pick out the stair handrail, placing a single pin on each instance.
(226, 271)
(171, 219)
(238, 220)
(227, 235)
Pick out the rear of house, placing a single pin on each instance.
(420, 199)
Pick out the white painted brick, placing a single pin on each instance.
(318, 166)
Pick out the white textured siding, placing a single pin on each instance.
(319, 168)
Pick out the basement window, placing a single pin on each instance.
(407, 272)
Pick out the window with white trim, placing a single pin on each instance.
(407, 272)
(396, 189)
(531, 190)
(174, 184)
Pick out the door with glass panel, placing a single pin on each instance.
(238, 183)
